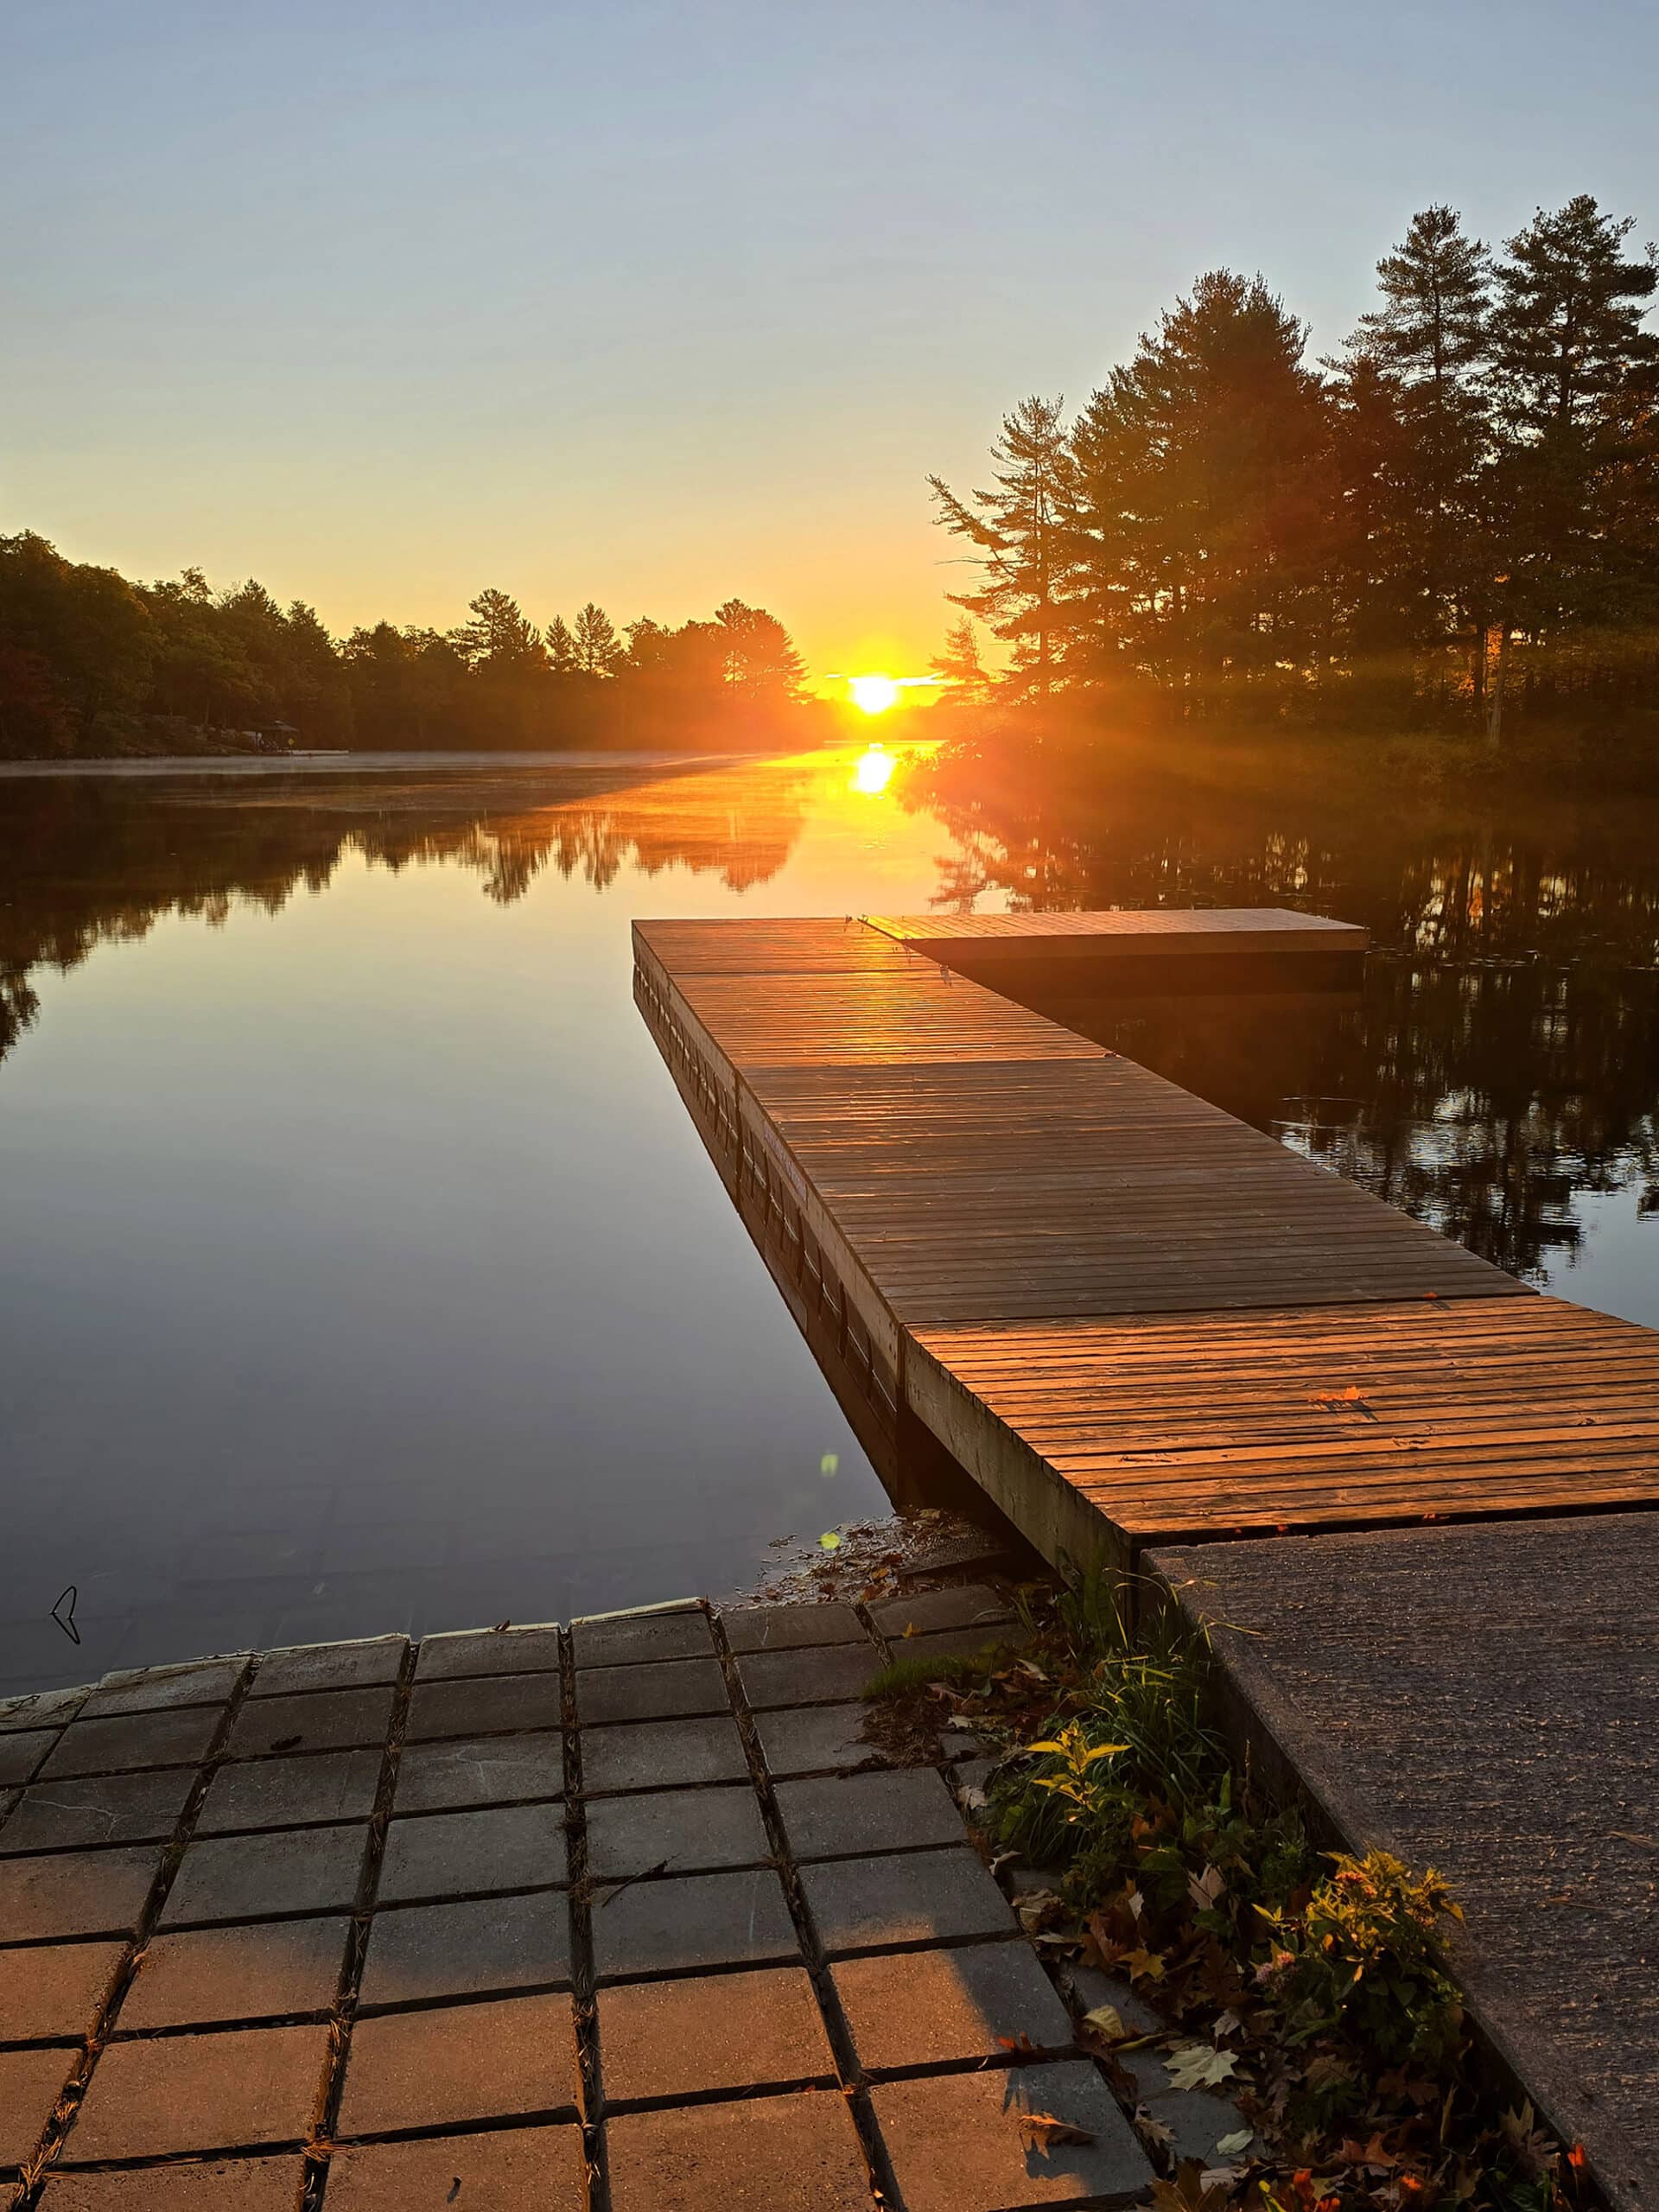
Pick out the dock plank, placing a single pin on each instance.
(1148, 932)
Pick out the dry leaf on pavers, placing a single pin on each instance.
(1199, 2066)
(1106, 2020)
(1231, 2146)
(1041, 2129)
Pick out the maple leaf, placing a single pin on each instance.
(1041, 2129)
(1199, 2066)
(1206, 1890)
(1143, 1965)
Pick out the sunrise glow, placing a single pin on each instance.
(875, 693)
(874, 770)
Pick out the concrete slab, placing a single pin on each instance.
(477, 1948)
(863, 1813)
(41, 1709)
(55, 1992)
(76, 1893)
(245, 1876)
(31, 2081)
(490, 1705)
(792, 1628)
(675, 1831)
(108, 1808)
(214, 1975)
(921, 1897)
(22, 1753)
(961, 1643)
(459, 1854)
(497, 2060)
(1485, 1701)
(795, 2154)
(156, 1689)
(923, 2008)
(662, 2039)
(965, 2142)
(632, 1638)
(212, 2185)
(326, 1720)
(655, 1691)
(304, 1666)
(314, 1787)
(973, 1605)
(658, 1754)
(804, 1740)
(507, 2170)
(701, 1920)
(827, 1675)
(122, 1742)
(201, 2093)
(479, 1770)
(489, 1651)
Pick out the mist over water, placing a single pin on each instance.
(361, 1269)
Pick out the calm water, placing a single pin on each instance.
(360, 1268)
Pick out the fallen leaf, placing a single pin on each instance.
(1042, 2128)
(1231, 2146)
(1206, 1890)
(1106, 2020)
(1199, 2066)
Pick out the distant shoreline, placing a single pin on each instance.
(339, 764)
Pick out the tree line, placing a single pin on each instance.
(1455, 518)
(90, 662)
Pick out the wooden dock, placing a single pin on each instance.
(1129, 1317)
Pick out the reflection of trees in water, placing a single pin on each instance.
(1504, 1056)
(83, 864)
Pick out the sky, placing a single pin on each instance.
(655, 304)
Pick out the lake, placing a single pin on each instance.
(361, 1269)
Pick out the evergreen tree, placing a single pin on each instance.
(561, 652)
(599, 651)
(761, 658)
(1023, 530)
(958, 662)
(498, 637)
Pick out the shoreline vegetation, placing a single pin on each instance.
(1436, 552)
(94, 666)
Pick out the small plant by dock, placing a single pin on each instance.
(1308, 1987)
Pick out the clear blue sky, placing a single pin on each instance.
(654, 303)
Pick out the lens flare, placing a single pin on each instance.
(875, 693)
(873, 769)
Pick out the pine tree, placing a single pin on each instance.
(599, 651)
(1023, 530)
(498, 637)
(561, 648)
(760, 654)
(958, 662)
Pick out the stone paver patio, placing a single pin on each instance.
(630, 1915)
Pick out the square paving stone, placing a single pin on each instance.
(1196, 2118)
(158, 1689)
(489, 1705)
(957, 2143)
(826, 1675)
(961, 1642)
(111, 1808)
(657, 1754)
(923, 1896)
(201, 2093)
(850, 1812)
(216, 1974)
(484, 1770)
(796, 2153)
(970, 1606)
(631, 1638)
(76, 1893)
(489, 1651)
(919, 2008)
(457, 1854)
(790, 1627)
(54, 1991)
(40, 1709)
(654, 1692)
(245, 1876)
(703, 1920)
(305, 1667)
(31, 2081)
(726, 2031)
(462, 2063)
(468, 1949)
(801, 1740)
(508, 2170)
(327, 1720)
(21, 1751)
(125, 1741)
(214, 2185)
(290, 1792)
(672, 1831)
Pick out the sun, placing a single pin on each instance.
(875, 694)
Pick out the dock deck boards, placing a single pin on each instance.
(1127, 1313)
(1161, 932)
